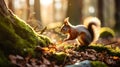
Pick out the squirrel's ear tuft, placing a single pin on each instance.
(66, 21)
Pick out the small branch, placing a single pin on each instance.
(43, 30)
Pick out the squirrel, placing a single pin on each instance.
(86, 33)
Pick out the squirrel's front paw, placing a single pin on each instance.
(65, 40)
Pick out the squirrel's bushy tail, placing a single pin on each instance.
(93, 25)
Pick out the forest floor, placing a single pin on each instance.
(60, 54)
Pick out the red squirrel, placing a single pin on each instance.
(85, 33)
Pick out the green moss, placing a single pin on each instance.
(106, 32)
(29, 51)
(25, 31)
(98, 64)
(68, 47)
(4, 62)
(59, 56)
(44, 41)
(17, 37)
(100, 48)
(9, 39)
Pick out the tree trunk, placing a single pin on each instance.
(16, 37)
(28, 9)
(100, 11)
(117, 15)
(109, 12)
(37, 9)
(10, 5)
(74, 11)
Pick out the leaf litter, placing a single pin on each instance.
(48, 56)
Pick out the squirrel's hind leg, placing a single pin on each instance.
(83, 40)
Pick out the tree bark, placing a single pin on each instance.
(100, 11)
(37, 9)
(109, 12)
(117, 15)
(28, 9)
(10, 5)
(16, 37)
(74, 11)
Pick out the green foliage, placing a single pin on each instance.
(106, 32)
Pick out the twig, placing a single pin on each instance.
(43, 30)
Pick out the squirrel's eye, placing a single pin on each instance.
(65, 29)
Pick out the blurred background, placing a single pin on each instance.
(51, 13)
